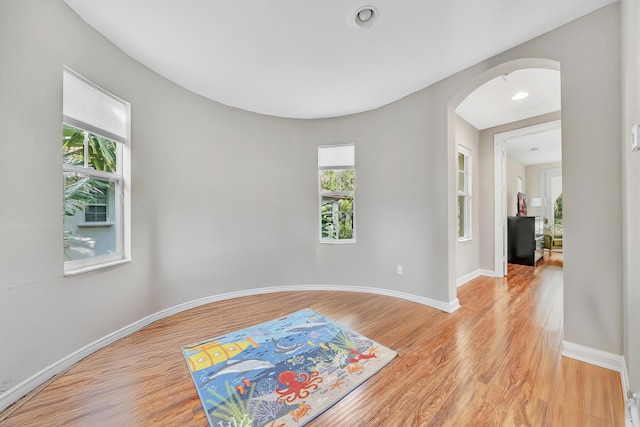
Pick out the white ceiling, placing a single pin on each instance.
(537, 148)
(492, 104)
(308, 59)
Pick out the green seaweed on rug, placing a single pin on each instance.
(235, 409)
(345, 340)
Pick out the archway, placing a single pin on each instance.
(498, 203)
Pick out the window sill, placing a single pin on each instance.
(338, 242)
(466, 239)
(90, 268)
(97, 224)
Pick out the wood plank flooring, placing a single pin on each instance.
(495, 362)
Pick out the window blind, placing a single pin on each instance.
(91, 108)
(336, 156)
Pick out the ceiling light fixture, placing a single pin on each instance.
(365, 16)
(520, 95)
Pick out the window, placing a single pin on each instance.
(336, 176)
(98, 210)
(94, 137)
(464, 193)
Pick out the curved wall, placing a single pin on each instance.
(224, 200)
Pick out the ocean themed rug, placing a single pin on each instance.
(281, 373)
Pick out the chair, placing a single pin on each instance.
(553, 237)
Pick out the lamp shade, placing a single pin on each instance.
(538, 202)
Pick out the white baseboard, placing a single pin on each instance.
(447, 307)
(614, 362)
(469, 277)
(603, 359)
(12, 395)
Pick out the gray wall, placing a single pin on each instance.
(588, 51)
(590, 134)
(630, 12)
(225, 200)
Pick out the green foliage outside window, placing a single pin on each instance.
(99, 155)
(336, 212)
(557, 210)
(338, 180)
(337, 218)
(82, 191)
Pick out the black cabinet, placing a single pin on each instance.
(526, 239)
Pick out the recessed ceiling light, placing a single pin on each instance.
(365, 16)
(520, 95)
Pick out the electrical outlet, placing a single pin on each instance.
(400, 269)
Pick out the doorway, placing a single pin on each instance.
(535, 153)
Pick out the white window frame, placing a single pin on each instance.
(466, 193)
(117, 178)
(121, 178)
(338, 164)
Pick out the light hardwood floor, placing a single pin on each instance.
(496, 361)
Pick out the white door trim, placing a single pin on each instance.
(500, 207)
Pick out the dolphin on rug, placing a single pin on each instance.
(309, 326)
(285, 349)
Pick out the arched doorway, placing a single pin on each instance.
(495, 205)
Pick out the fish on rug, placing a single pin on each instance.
(284, 372)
